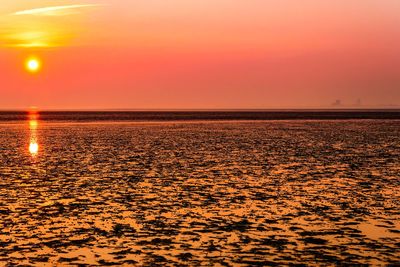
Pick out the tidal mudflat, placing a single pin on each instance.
(200, 193)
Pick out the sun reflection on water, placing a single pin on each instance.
(33, 148)
(33, 117)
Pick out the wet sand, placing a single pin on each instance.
(306, 193)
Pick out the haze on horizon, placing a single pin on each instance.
(210, 54)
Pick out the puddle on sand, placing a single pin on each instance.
(229, 194)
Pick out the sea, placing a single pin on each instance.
(200, 188)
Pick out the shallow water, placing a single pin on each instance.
(200, 193)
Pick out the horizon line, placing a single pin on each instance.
(352, 109)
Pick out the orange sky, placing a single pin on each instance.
(158, 54)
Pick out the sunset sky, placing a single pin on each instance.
(190, 54)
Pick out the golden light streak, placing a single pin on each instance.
(51, 26)
(31, 38)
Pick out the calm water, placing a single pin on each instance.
(199, 193)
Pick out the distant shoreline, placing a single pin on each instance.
(221, 115)
(371, 109)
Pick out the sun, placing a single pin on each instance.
(33, 64)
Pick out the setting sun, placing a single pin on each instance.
(33, 65)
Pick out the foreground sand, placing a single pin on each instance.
(204, 193)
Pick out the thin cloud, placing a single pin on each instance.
(54, 10)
